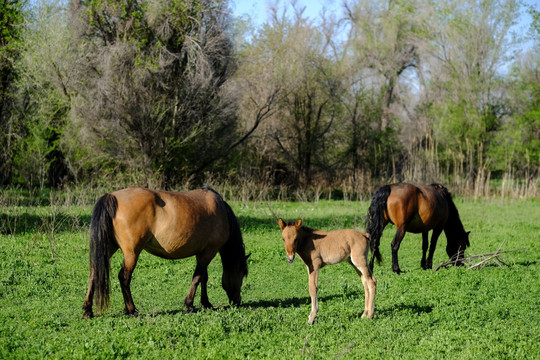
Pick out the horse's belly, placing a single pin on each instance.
(417, 225)
(178, 251)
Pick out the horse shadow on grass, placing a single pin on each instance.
(297, 301)
(403, 308)
(303, 301)
(257, 304)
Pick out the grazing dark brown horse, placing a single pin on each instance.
(169, 225)
(319, 248)
(416, 209)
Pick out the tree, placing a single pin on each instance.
(467, 102)
(11, 19)
(154, 92)
(289, 75)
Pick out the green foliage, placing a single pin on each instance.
(143, 92)
(11, 41)
(158, 69)
(469, 314)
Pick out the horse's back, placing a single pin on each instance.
(418, 207)
(170, 224)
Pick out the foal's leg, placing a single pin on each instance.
(360, 264)
(313, 280)
(424, 249)
(434, 237)
(124, 276)
(400, 233)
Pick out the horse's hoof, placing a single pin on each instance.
(208, 306)
(190, 310)
(88, 315)
(133, 313)
(310, 321)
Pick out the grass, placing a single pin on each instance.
(491, 312)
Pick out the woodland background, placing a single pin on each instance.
(169, 94)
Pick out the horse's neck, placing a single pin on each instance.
(454, 226)
(302, 237)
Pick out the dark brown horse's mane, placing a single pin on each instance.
(454, 226)
(233, 253)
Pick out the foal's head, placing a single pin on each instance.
(290, 236)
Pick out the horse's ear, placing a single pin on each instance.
(247, 256)
(281, 223)
(468, 232)
(298, 224)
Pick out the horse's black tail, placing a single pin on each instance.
(101, 236)
(375, 221)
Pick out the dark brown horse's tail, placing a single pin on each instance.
(101, 236)
(375, 221)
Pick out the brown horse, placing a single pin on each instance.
(169, 225)
(416, 209)
(319, 248)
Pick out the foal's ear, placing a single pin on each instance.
(281, 223)
(298, 224)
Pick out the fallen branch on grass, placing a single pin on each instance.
(484, 258)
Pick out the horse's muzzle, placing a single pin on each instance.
(290, 258)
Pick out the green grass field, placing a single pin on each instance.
(484, 313)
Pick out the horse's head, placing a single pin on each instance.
(456, 248)
(232, 281)
(289, 233)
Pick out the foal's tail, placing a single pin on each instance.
(101, 236)
(375, 221)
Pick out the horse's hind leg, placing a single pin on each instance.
(124, 276)
(89, 300)
(360, 264)
(424, 249)
(87, 306)
(434, 237)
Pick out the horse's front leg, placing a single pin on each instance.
(124, 276)
(425, 244)
(204, 290)
(400, 233)
(434, 237)
(313, 280)
(200, 275)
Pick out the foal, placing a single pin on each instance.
(319, 248)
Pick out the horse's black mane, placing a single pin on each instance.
(454, 226)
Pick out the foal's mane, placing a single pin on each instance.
(303, 228)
